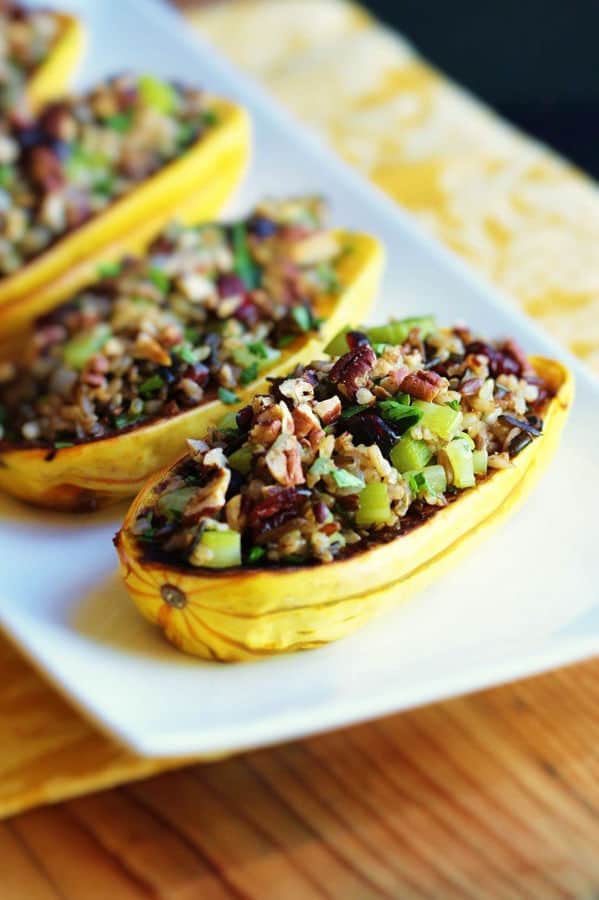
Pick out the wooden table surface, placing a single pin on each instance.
(494, 795)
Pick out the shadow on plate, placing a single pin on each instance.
(107, 616)
(12, 510)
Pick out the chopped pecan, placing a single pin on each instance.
(351, 370)
(210, 497)
(423, 385)
(272, 421)
(284, 461)
(328, 410)
(148, 348)
(305, 421)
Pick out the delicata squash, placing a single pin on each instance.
(108, 385)
(38, 50)
(96, 176)
(342, 490)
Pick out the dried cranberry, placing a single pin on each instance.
(367, 427)
(199, 373)
(262, 227)
(352, 369)
(500, 362)
(231, 285)
(245, 418)
(248, 313)
(356, 339)
(276, 500)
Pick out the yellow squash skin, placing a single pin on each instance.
(192, 188)
(248, 614)
(110, 469)
(51, 78)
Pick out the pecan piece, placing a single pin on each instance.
(210, 497)
(328, 410)
(284, 461)
(424, 385)
(46, 169)
(351, 370)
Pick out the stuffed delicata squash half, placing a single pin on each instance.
(38, 50)
(108, 386)
(340, 491)
(95, 176)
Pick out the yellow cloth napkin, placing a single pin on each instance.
(515, 210)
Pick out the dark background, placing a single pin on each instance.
(535, 61)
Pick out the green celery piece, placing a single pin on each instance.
(338, 345)
(81, 348)
(109, 269)
(328, 278)
(160, 279)
(120, 122)
(6, 173)
(396, 331)
(302, 318)
(459, 454)
(249, 374)
(241, 459)
(374, 507)
(225, 547)
(228, 422)
(408, 454)
(431, 478)
(156, 93)
(480, 462)
(464, 436)
(400, 413)
(151, 384)
(243, 263)
(442, 420)
(174, 502)
(256, 554)
(321, 466)
(345, 479)
(227, 396)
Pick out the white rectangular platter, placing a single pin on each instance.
(524, 601)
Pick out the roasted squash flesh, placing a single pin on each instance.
(104, 470)
(244, 612)
(51, 78)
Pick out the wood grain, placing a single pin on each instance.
(495, 795)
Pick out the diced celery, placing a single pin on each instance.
(441, 420)
(480, 462)
(431, 479)
(81, 348)
(395, 332)
(156, 93)
(464, 436)
(175, 501)
(225, 547)
(436, 479)
(241, 459)
(338, 345)
(459, 454)
(243, 262)
(409, 454)
(228, 422)
(373, 504)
